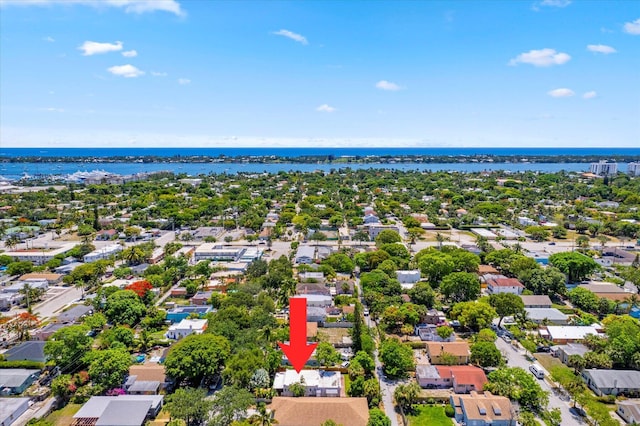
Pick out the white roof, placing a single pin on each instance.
(190, 324)
(312, 378)
(571, 332)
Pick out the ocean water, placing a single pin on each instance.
(17, 170)
(297, 152)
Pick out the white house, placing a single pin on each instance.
(186, 327)
(103, 253)
(318, 300)
(316, 382)
(305, 254)
(408, 278)
(504, 285)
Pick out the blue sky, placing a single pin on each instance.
(212, 73)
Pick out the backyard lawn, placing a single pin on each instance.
(429, 415)
(64, 416)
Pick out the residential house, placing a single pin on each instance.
(370, 218)
(106, 235)
(563, 352)
(315, 411)
(462, 378)
(12, 408)
(143, 377)
(303, 290)
(14, 381)
(74, 315)
(612, 382)
(26, 351)
(375, 229)
(482, 409)
(429, 333)
(208, 232)
(45, 332)
(201, 298)
(504, 285)
(546, 316)
(316, 314)
(305, 254)
(311, 277)
(318, 300)
(563, 334)
(121, 410)
(318, 383)
(608, 291)
(51, 279)
(629, 410)
(459, 350)
(436, 317)
(102, 253)
(408, 278)
(537, 301)
(187, 327)
(213, 251)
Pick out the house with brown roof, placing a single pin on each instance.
(459, 350)
(51, 279)
(482, 409)
(608, 291)
(462, 378)
(504, 285)
(310, 411)
(536, 301)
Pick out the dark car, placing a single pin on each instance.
(543, 349)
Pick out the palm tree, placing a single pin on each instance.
(440, 239)
(263, 417)
(12, 242)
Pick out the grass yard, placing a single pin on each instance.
(429, 415)
(64, 416)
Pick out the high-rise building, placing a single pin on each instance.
(634, 168)
(604, 168)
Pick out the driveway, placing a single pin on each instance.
(516, 359)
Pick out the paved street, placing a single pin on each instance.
(516, 359)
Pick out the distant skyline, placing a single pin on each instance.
(141, 73)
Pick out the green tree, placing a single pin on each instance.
(444, 332)
(67, 347)
(108, 368)
(518, 385)
(435, 265)
(474, 315)
(190, 405)
(406, 395)
(537, 233)
(423, 294)
(486, 354)
(576, 362)
(241, 367)
(326, 354)
(387, 236)
(397, 358)
(460, 286)
(297, 390)
(544, 281)
(576, 266)
(124, 307)
(506, 304)
(377, 417)
(197, 356)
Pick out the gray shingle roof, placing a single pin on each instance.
(620, 379)
(29, 351)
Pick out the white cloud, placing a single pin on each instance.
(184, 81)
(555, 3)
(561, 93)
(601, 48)
(325, 108)
(590, 95)
(94, 48)
(52, 109)
(130, 54)
(158, 74)
(387, 85)
(541, 58)
(129, 6)
(632, 27)
(293, 36)
(48, 39)
(127, 71)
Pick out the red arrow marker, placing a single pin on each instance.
(297, 350)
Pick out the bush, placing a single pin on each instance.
(449, 411)
(22, 364)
